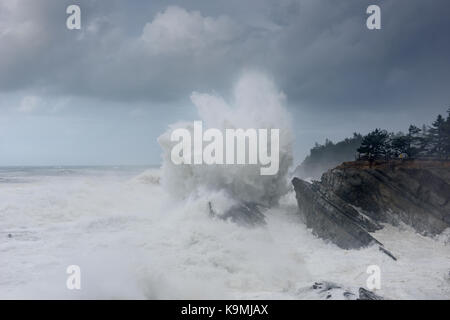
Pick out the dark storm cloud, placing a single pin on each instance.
(319, 51)
(336, 62)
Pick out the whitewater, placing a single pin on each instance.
(148, 233)
(133, 241)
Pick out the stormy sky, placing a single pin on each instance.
(103, 94)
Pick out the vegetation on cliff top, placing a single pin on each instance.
(429, 142)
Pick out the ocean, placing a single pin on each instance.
(133, 239)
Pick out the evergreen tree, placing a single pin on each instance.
(415, 141)
(436, 138)
(446, 133)
(424, 141)
(400, 144)
(375, 145)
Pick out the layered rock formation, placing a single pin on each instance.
(247, 214)
(355, 199)
(326, 290)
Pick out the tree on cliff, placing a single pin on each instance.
(415, 140)
(436, 138)
(399, 144)
(446, 130)
(374, 145)
(411, 144)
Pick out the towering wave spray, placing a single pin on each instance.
(256, 104)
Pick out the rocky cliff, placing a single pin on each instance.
(355, 199)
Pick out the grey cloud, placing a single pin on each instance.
(175, 52)
(337, 62)
(86, 96)
(320, 52)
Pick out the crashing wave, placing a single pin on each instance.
(256, 103)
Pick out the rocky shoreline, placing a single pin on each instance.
(355, 199)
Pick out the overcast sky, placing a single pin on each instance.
(103, 94)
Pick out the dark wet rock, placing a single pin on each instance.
(387, 252)
(349, 295)
(325, 286)
(328, 290)
(368, 295)
(355, 199)
(416, 193)
(247, 214)
(333, 219)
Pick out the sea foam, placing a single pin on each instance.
(256, 103)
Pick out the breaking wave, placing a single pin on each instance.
(256, 103)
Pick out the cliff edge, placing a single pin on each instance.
(354, 199)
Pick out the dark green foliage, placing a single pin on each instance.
(400, 144)
(428, 142)
(416, 141)
(436, 138)
(375, 145)
(446, 131)
(411, 144)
